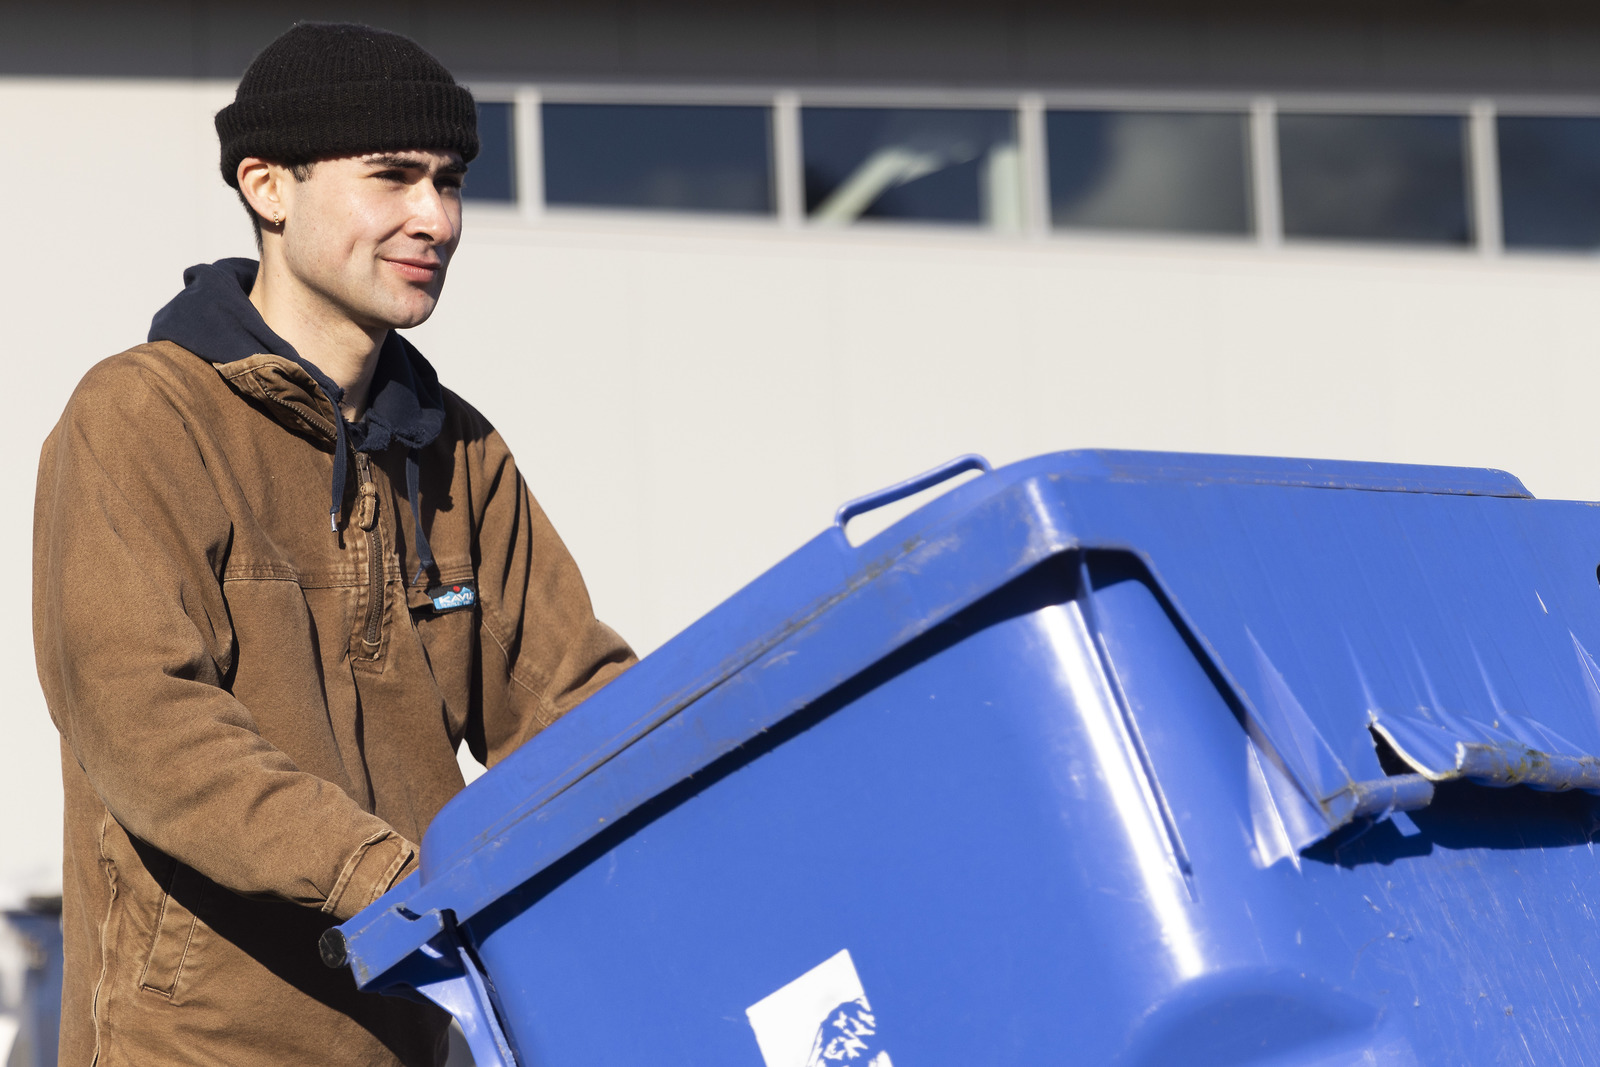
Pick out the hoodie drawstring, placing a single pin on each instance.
(414, 491)
(341, 473)
(341, 466)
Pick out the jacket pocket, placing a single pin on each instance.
(175, 930)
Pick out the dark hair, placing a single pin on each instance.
(301, 172)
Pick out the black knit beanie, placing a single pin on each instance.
(328, 89)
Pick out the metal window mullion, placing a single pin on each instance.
(528, 117)
(786, 159)
(1266, 192)
(1035, 165)
(1484, 170)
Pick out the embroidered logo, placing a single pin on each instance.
(452, 597)
(821, 1019)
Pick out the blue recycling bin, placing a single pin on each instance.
(38, 1032)
(1100, 758)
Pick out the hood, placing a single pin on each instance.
(214, 318)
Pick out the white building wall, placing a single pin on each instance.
(690, 401)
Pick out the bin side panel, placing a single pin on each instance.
(967, 823)
(1468, 937)
(951, 819)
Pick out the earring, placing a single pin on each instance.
(277, 217)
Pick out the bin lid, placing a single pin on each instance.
(1441, 607)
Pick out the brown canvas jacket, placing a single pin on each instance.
(259, 716)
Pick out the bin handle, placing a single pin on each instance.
(927, 479)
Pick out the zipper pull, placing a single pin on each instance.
(366, 515)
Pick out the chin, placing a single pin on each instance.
(408, 314)
(409, 321)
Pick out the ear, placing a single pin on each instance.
(262, 184)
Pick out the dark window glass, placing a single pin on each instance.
(658, 156)
(1178, 172)
(911, 163)
(493, 175)
(1549, 181)
(1375, 177)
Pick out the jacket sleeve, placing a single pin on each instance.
(134, 647)
(543, 651)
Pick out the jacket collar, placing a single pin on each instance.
(290, 395)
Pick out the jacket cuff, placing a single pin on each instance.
(371, 871)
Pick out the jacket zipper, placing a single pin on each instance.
(366, 517)
(311, 419)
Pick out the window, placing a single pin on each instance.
(1549, 181)
(492, 177)
(1170, 163)
(923, 164)
(1173, 171)
(658, 156)
(1375, 177)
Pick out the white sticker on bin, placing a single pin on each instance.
(820, 1019)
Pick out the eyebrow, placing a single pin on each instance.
(414, 163)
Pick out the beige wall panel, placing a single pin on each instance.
(691, 406)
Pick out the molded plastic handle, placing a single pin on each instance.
(850, 509)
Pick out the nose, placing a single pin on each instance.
(432, 218)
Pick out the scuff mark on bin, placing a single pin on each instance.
(1281, 823)
(1591, 676)
(1294, 739)
(1304, 785)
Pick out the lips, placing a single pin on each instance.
(416, 270)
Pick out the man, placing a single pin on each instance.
(280, 574)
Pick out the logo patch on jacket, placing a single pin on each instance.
(452, 597)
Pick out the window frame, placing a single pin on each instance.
(785, 103)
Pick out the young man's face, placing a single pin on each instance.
(373, 235)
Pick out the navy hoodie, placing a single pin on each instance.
(213, 318)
